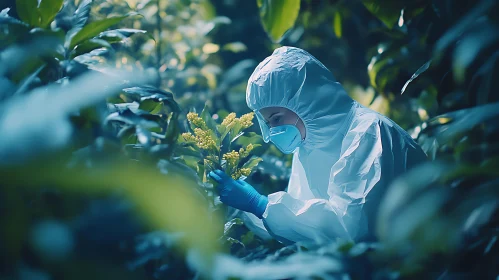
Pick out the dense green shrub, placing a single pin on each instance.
(98, 183)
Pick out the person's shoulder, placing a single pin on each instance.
(366, 120)
(375, 121)
(368, 117)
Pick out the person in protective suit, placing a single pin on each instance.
(344, 154)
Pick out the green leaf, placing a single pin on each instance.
(278, 16)
(253, 162)
(185, 150)
(337, 24)
(28, 11)
(234, 222)
(139, 93)
(391, 11)
(464, 24)
(23, 87)
(165, 202)
(81, 14)
(89, 46)
(93, 29)
(150, 106)
(235, 47)
(6, 19)
(212, 125)
(127, 117)
(469, 48)
(117, 35)
(454, 124)
(415, 75)
(388, 13)
(235, 131)
(206, 116)
(47, 11)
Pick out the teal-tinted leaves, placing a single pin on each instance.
(415, 75)
(28, 11)
(93, 29)
(38, 13)
(118, 35)
(6, 19)
(153, 99)
(387, 13)
(89, 46)
(278, 16)
(47, 10)
(455, 124)
(210, 122)
(81, 14)
(390, 12)
(253, 162)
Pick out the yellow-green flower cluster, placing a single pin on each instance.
(229, 119)
(245, 152)
(189, 137)
(196, 121)
(231, 157)
(241, 172)
(204, 139)
(247, 120)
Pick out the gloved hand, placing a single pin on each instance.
(239, 194)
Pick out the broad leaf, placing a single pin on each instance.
(278, 16)
(28, 11)
(387, 13)
(206, 116)
(89, 46)
(47, 11)
(137, 93)
(93, 29)
(117, 35)
(250, 138)
(81, 14)
(465, 23)
(253, 162)
(455, 123)
(30, 137)
(391, 11)
(6, 19)
(153, 99)
(337, 24)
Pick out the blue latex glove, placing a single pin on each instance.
(239, 194)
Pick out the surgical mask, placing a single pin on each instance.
(287, 138)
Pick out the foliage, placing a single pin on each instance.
(98, 181)
(215, 140)
(278, 16)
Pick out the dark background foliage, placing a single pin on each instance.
(93, 96)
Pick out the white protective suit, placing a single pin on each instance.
(349, 155)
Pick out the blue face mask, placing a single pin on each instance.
(286, 137)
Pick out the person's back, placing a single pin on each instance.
(399, 153)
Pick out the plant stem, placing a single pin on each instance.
(158, 35)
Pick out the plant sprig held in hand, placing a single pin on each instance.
(214, 143)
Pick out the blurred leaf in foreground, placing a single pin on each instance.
(167, 202)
